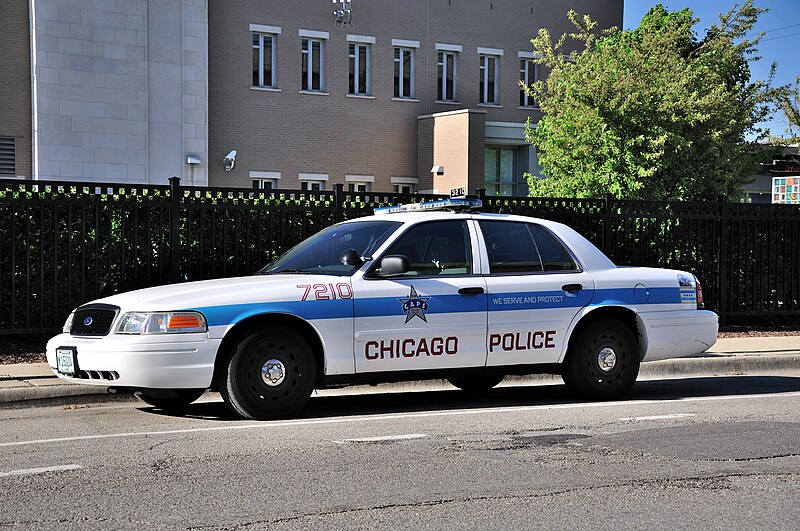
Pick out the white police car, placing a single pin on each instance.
(412, 292)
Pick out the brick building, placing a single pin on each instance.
(419, 95)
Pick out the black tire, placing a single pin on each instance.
(169, 398)
(476, 383)
(582, 371)
(292, 377)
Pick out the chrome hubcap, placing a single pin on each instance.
(273, 372)
(606, 359)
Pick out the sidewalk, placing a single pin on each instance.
(733, 356)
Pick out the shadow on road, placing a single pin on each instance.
(533, 395)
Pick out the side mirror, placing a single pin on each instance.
(395, 264)
(350, 257)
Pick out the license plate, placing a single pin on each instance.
(66, 360)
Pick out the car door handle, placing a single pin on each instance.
(572, 287)
(470, 291)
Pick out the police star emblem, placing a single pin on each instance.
(415, 306)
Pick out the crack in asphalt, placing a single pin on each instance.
(690, 482)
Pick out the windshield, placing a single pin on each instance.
(322, 253)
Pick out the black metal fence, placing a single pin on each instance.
(65, 243)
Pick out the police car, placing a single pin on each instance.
(429, 290)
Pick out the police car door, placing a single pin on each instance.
(431, 317)
(535, 290)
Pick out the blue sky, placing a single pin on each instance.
(780, 44)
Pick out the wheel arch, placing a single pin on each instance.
(262, 322)
(622, 314)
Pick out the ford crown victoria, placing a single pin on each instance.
(410, 293)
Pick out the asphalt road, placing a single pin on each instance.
(721, 452)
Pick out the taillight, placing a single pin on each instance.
(699, 293)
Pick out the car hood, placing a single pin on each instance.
(219, 292)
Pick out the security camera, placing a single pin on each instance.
(230, 160)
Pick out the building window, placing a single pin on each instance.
(488, 82)
(403, 72)
(313, 65)
(263, 184)
(500, 172)
(8, 157)
(359, 69)
(446, 87)
(358, 187)
(316, 186)
(404, 188)
(263, 60)
(528, 74)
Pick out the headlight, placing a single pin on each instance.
(161, 323)
(68, 323)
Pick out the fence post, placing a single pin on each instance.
(338, 200)
(482, 196)
(607, 212)
(723, 262)
(174, 228)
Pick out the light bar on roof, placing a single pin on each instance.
(442, 204)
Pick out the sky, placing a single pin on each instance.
(780, 44)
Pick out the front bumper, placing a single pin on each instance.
(176, 361)
(675, 334)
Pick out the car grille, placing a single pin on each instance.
(93, 320)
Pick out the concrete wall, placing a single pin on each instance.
(289, 132)
(15, 81)
(122, 89)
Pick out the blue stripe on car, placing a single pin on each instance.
(388, 306)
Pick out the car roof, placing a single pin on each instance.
(591, 257)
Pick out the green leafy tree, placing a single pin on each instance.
(649, 113)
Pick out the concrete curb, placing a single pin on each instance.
(21, 392)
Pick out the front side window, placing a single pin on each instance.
(322, 253)
(313, 65)
(446, 86)
(518, 248)
(403, 72)
(488, 81)
(528, 74)
(359, 69)
(263, 60)
(435, 248)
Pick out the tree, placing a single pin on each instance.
(650, 113)
(789, 102)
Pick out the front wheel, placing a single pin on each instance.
(270, 375)
(169, 398)
(602, 362)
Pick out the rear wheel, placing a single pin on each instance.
(602, 362)
(169, 398)
(476, 383)
(270, 375)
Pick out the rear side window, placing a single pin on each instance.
(515, 247)
(554, 256)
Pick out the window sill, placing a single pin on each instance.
(490, 105)
(265, 89)
(410, 100)
(447, 102)
(361, 96)
(315, 92)
(528, 108)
